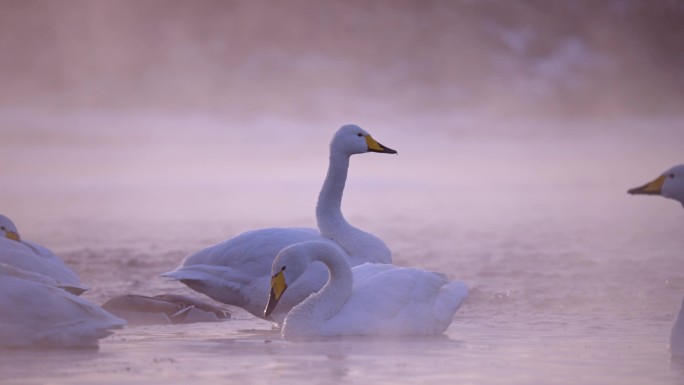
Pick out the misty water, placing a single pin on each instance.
(572, 280)
(135, 133)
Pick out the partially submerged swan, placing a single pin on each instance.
(30, 256)
(237, 271)
(669, 184)
(370, 299)
(34, 313)
(163, 309)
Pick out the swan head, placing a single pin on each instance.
(351, 139)
(8, 229)
(669, 184)
(290, 263)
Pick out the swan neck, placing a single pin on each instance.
(341, 278)
(329, 206)
(309, 316)
(338, 289)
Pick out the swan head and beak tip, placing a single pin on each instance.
(374, 146)
(652, 188)
(278, 287)
(9, 229)
(12, 235)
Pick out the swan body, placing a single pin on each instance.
(34, 313)
(669, 184)
(30, 256)
(370, 299)
(163, 309)
(237, 271)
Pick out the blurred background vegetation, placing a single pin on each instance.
(307, 58)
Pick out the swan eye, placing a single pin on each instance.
(2, 228)
(283, 269)
(671, 175)
(359, 134)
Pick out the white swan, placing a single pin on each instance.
(370, 299)
(35, 258)
(33, 313)
(163, 309)
(670, 185)
(236, 271)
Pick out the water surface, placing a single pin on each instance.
(572, 280)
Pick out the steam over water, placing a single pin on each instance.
(125, 149)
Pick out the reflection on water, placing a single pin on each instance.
(468, 353)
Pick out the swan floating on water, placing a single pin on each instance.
(670, 185)
(34, 313)
(236, 271)
(370, 299)
(163, 309)
(30, 256)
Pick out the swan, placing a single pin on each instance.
(236, 271)
(370, 299)
(163, 309)
(669, 184)
(34, 313)
(35, 258)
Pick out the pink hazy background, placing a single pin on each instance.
(223, 109)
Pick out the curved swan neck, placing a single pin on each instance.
(341, 279)
(307, 317)
(328, 208)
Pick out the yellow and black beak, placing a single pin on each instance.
(278, 287)
(374, 146)
(652, 188)
(12, 235)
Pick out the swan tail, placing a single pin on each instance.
(449, 300)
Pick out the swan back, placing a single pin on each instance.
(34, 313)
(30, 256)
(392, 300)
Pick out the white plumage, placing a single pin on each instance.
(33, 313)
(370, 299)
(669, 184)
(30, 256)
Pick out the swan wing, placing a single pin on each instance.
(251, 252)
(29, 256)
(237, 271)
(224, 284)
